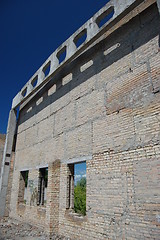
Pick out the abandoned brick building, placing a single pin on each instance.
(96, 100)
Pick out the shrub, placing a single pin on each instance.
(80, 197)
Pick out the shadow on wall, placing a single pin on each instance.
(119, 44)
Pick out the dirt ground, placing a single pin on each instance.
(14, 230)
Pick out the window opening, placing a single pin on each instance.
(24, 92)
(46, 69)
(71, 187)
(61, 55)
(34, 81)
(23, 182)
(80, 38)
(42, 186)
(77, 187)
(105, 17)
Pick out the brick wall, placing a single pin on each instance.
(9, 188)
(52, 209)
(105, 104)
(8, 196)
(2, 142)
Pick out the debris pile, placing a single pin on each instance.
(14, 230)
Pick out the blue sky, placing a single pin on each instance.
(30, 31)
(79, 171)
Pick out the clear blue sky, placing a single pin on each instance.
(30, 30)
(79, 171)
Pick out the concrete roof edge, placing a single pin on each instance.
(117, 7)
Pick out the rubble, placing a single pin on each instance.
(11, 229)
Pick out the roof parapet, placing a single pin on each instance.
(92, 28)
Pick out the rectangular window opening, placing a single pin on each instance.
(80, 38)
(61, 55)
(24, 92)
(34, 81)
(46, 69)
(42, 186)
(23, 183)
(77, 187)
(105, 17)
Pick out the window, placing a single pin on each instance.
(80, 38)
(42, 185)
(46, 69)
(76, 190)
(23, 182)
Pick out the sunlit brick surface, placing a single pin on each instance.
(111, 112)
